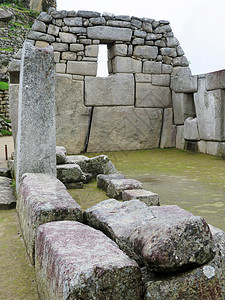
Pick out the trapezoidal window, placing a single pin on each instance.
(103, 61)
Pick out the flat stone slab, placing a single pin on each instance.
(70, 173)
(7, 196)
(169, 244)
(147, 197)
(203, 282)
(43, 198)
(75, 261)
(117, 186)
(104, 180)
(118, 220)
(107, 33)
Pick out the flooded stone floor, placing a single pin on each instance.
(194, 181)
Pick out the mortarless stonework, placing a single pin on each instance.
(42, 198)
(36, 113)
(75, 261)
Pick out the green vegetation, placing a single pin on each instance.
(5, 132)
(4, 85)
(16, 24)
(10, 49)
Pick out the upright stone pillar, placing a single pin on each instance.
(36, 146)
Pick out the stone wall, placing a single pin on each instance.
(4, 103)
(199, 112)
(131, 108)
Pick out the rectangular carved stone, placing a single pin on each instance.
(148, 95)
(147, 197)
(126, 65)
(125, 128)
(36, 113)
(82, 68)
(184, 84)
(72, 117)
(42, 198)
(168, 135)
(106, 33)
(149, 52)
(215, 80)
(210, 112)
(75, 261)
(152, 67)
(161, 80)
(117, 89)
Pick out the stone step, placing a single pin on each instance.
(75, 261)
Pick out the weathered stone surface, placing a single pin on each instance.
(117, 186)
(13, 103)
(104, 180)
(180, 61)
(204, 282)
(152, 67)
(77, 21)
(162, 29)
(60, 68)
(36, 115)
(67, 37)
(60, 14)
(169, 130)
(210, 112)
(168, 244)
(153, 36)
(148, 95)
(143, 77)
(119, 225)
(82, 68)
(7, 196)
(42, 44)
(88, 14)
(118, 50)
(146, 52)
(170, 212)
(215, 148)
(69, 56)
(39, 26)
(5, 15)
(172, 42)
(161, 80)
(167, 69)
(126, 65)
(184, 84)
(181, 71)
(183, 105)
(60, 155)
(70, 173)
(91, 50)
(98, 21)
(42, 198)
(60, 47)
(71, 129)
(125, 124)
(168, 52)
(89, 264)
(119, 87)
(54, 30)
(180, 142)
(107, 33)
(215, 80)
(191, 129)
(76, 47)
(35, 35)
(147, 197)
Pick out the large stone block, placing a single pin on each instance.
(104, 180)
(184, 84)
(7, 195)
(36, 113)
(149, 52)
(117, 186)
(169, 244)
(119, 225)
(161, 80)
(215, 80)
(204, 282)
(191, 129)
(72, 117)
(40, 36)
(70, 173)
(67, 37)
(152, 67)
(148, 95)
(147, 197)
(74, 261)
(42, 198)
(125, 128)
(107, 33)
(210, 112)
(180, 142)
(126, 65)
(117, 50)
(168, 135)
(82, 68)
(183, 105)
(113, 90)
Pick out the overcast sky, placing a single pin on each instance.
(198, 24)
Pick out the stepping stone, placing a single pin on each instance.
(147, 197)
(75, 261)
(7, 195)
(118, 220)
(104, 180)
(117, 186)
(43, 198)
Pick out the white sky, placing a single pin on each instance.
(199, 25)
